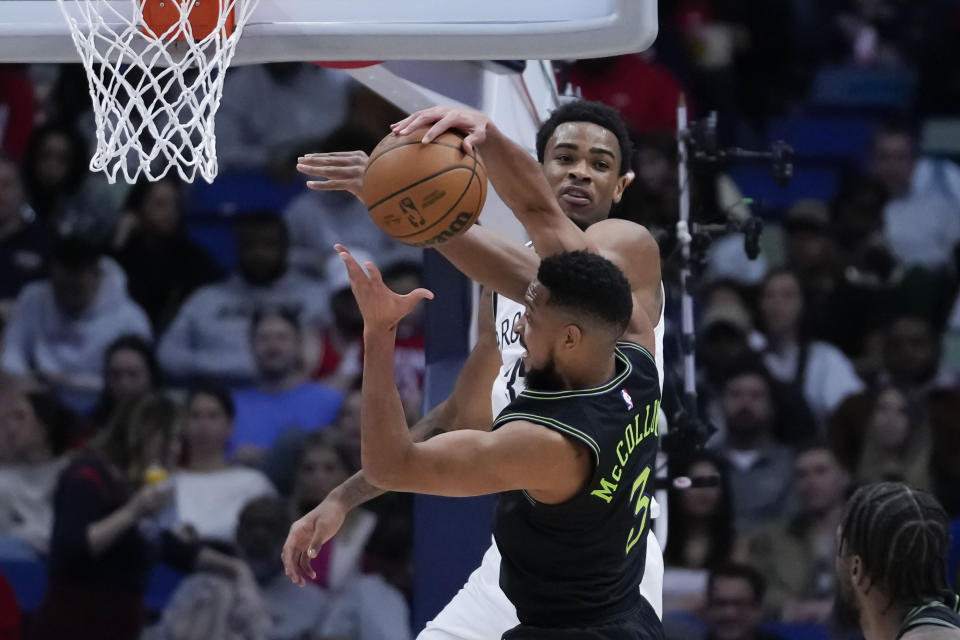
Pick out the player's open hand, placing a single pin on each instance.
(472, 123)
(307, 535)
(339, 170)
(381, 308)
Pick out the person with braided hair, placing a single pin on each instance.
(891, 564)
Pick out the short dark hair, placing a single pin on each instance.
(740, 572)
(588, 285)
(901, 535)
(748, 366)
(326, 439)
(262, 219)
(133, 342)
(586, 111)
(141, 190)
(896, 127)
(215, 391)
(75, 253)
(263, 313)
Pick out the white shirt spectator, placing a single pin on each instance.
(317, 219)
(828, 376)
(211, 334)
(271, 108)
(211, 501)
(43, 341)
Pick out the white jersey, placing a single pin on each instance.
(512, 380)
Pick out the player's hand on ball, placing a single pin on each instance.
(307, 535)
(380, 307)
(339, 170)
(472, 123)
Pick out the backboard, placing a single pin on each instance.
(291, 30)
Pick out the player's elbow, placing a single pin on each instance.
(386, 472)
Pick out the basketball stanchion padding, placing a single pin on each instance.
(156, 70)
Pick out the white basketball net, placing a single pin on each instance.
(155, 95)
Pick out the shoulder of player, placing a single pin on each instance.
(932, 632)
(533, 435)
(614, 233)
(631, 247)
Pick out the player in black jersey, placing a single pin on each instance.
(572, 457)
(892, 564)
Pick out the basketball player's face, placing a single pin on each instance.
(582, 164)
(537, 329)
(846, 606)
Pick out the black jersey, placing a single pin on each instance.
(581, 561)
(933, 614)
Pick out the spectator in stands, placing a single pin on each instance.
(282, 397)
(298, 105)
(317, 219)
(323, 465)
(735, 595)
(701, 530)
(410, 361)
(883, 436)
(760, 469)
(341, 354)
(163, 265)
(105, 512)
(922, 218)
(209, 492)
(17, 110)
(62, 326)
(33, 436)
(811, 253)
(210, 337)
(797, 558)
(945, 459)
(55, 170)
(817, 370)
(911, 354)
(129, 369)
(24, 243)
(348, 421)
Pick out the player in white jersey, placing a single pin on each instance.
(584, 150)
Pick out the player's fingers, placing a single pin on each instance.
(351, 162)
(420, 294)
(429, 112)
(374, 272)
(336, 154)
(470, 142)
(330, 185)
(443, 124)
(357, 276)
(304, 565)
(289, 566)
(328, 171)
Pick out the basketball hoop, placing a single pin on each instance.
(156, 71)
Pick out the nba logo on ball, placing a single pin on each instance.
(627, 398)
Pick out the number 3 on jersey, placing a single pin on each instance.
(638, 492)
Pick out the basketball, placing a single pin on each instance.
(424, 194)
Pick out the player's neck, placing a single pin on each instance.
(782, 341)
(281, 383)
(592, 374)
(877, 620)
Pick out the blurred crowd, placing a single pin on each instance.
(180, 363)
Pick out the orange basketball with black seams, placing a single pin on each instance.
(424, 194)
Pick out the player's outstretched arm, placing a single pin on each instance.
(467, 407)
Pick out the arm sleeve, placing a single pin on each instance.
(78, 504)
